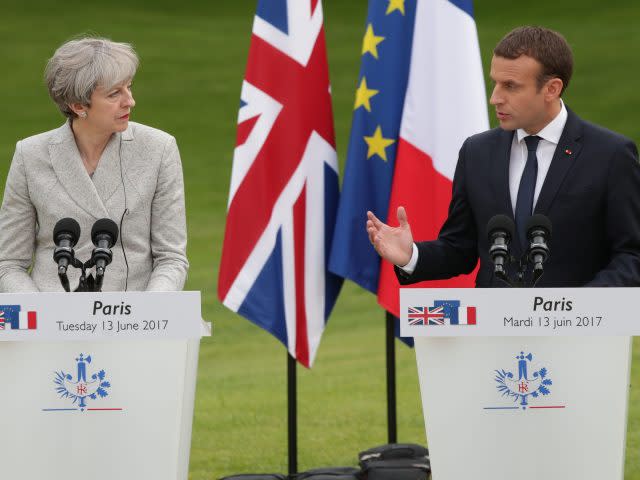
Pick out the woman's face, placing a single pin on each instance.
(110, 108)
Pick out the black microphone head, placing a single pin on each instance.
(538, 222)
(105, 226)
(69, 226)
(498, 223)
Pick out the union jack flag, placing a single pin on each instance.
(284, 182)
(426, 315)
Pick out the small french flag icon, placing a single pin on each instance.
(28, 320)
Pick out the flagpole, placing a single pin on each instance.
(392, 428)
(292, 407)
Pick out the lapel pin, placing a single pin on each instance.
(567, 151)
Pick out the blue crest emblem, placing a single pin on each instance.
(82, 386)
(525, 384)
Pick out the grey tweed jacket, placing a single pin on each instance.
(139, 171)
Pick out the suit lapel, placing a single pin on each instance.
(564, 158)
(107, 176)
(71, 173)
(501, 153)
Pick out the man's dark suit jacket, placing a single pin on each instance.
(591, 195)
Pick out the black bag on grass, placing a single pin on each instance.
(395, 461)
(256, 476)
(329, 473)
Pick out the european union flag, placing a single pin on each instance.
(451, 308)
(380, 93)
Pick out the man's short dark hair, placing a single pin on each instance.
(549, 48)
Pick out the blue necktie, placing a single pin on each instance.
(524, 202)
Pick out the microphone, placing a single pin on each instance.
(65, 235)
(104, 235)
(538, 233)
(500, 230)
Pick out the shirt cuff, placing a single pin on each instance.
(411, 266)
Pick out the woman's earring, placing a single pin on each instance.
(82, 114)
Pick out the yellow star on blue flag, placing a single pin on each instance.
(395, 5)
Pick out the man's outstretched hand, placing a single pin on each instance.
(394, 244)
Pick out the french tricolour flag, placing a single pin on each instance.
(27, 321)
(445, 103)
(466, 316)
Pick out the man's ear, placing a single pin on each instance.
(553, 88)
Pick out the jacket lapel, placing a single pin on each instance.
(501, 153)
(71, 173)
(107, 177)
(90, 194)
(564, 158)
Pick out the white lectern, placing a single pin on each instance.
(523, 383)
(98, 385)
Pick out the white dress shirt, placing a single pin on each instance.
(550, 136)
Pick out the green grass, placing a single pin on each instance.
(193, 59)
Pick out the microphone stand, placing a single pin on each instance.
(83, 285)
(537, 274)
(519, 281)
(97, 287)
(64, 279)
(501, 274)
(87, 283)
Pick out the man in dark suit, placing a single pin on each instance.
(542, 159)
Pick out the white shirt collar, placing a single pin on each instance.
(553, 130)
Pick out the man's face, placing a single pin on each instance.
(518, 100)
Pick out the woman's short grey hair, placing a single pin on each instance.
(79, 66)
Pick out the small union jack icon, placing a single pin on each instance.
(426, 315)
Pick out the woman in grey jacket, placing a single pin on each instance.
(97, 165)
